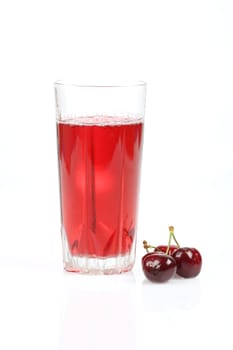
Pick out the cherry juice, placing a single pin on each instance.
(99, 161)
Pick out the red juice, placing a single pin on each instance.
(99, 160)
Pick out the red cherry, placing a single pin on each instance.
(158, 267)
(189, 262)
(163, 248)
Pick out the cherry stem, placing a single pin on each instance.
(169, 242)
(171, 235)
(147, 246)
(174, 237)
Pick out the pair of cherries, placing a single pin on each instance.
(165, 261)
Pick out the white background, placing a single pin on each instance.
(184, 51)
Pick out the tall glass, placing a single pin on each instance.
(100, 138)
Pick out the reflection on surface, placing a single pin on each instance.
(98, 312)
(177, 294)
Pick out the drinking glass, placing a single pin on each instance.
(100, 140)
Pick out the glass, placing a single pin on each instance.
(100, 139)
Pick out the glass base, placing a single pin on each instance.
(96, 265)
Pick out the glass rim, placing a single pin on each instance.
(127, 84)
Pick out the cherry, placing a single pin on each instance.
(164, 248)
(189, 262)
(158, 267)
(165, 260)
